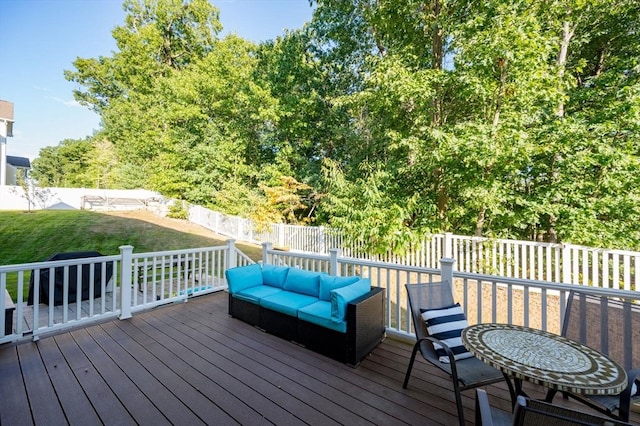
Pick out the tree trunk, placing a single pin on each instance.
(437, 45)
(480, 221)
(437, 58)
(502, 69)
(567, 34)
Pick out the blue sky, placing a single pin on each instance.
(39, 39)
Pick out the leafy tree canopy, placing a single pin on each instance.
(389, 120)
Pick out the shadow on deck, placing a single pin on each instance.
(189, 363)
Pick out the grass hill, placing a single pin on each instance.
(34, 237)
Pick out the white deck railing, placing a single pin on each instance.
(139, 281)
(146, 280)
(618, 269)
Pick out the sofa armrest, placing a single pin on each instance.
(365, 324)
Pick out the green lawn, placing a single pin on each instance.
(34, 237)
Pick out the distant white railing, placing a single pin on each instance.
(139, 281)
(559, 263)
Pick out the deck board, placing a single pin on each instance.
(104, 400)
(276, 391)
(69, 392)
(295, 364)
(39, 387)
(14, 403)
(190, 363)
(102, 356)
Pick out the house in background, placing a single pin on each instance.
(16, 166)
(10, 167)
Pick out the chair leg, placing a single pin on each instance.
(512, 390)
(410, 367)
(478, 413)
(550, 394)
(456, 390)
(624, 409)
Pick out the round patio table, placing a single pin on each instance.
(544, 358)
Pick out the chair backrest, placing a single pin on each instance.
(609, 325)
(536, 413)
(427, 296)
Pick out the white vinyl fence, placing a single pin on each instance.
(40, 198)
(559, 263)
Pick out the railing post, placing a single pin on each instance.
(321, 242)
(240, 229)
(447, 246)
(125, 282)
(266, 247)
(447, 265)
(334, 254)
(231, 254)
(250, 236)
(281, 241)
(566, 264)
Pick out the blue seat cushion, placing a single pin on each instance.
(331, 282)
(340, 297)
(287, 302)
(254, 294)
(243, 277)
(301, 281)
(319, 313)
(274, 275)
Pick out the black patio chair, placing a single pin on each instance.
(535, 413)
(611, 326)
(466, 373)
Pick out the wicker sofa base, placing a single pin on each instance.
(365, 327)
(327, 342)
(279, 324)
(245, 311)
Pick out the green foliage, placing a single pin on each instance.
(178, 210)
(65, 165)
(365, 211)
(502, 118)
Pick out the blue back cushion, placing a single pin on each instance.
(330, 282)
(303, 282)
(243, 277)
(274, 275)
(340, 297)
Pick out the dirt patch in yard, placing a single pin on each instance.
(181, 225)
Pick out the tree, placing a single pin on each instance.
(497, 141)
(65, 165)
(131, 89)
(389, 119)
(30, 191)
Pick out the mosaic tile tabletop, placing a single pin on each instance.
(545, 358)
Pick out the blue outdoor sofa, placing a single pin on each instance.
(340, 317)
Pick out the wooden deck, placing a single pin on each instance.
(189, 364)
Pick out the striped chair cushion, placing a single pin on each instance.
(446, 324)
